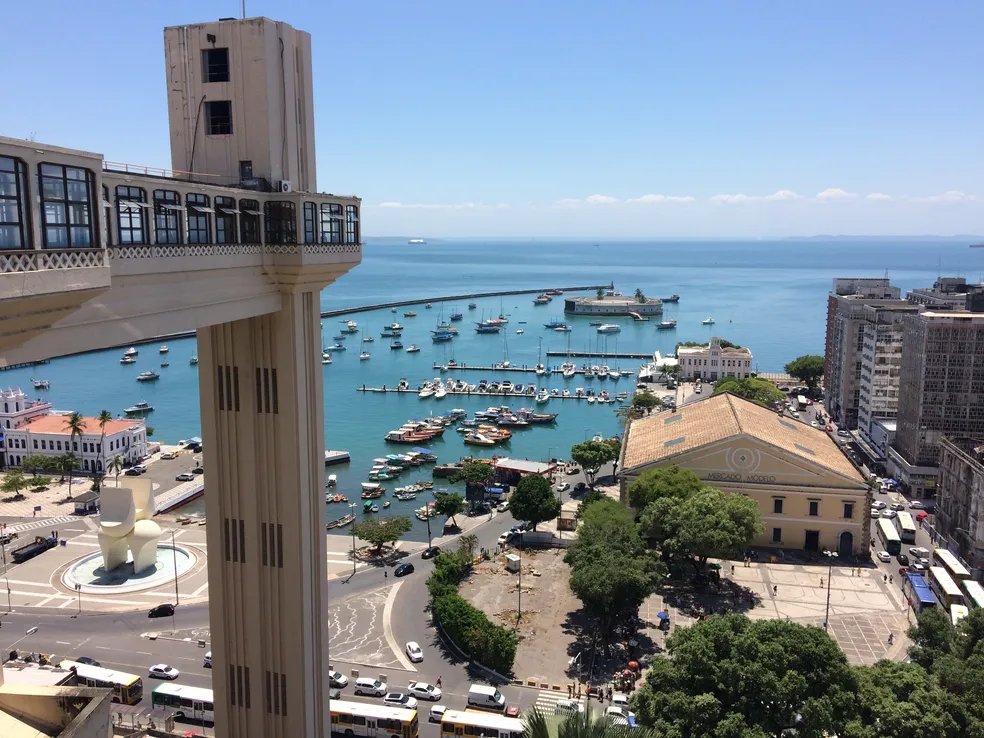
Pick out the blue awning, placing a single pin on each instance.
(423, 450)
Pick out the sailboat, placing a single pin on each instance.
(365, 355)
(504, 364)
(539, 368)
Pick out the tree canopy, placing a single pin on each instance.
(36, 463)
(383, 531)
(665, 481)
(760, 391)
(808, 369)
(534, 500)
(591, 456)
(725, 343)
(449, 504)
(640, 296)
(15, 482)
(731, 676)
(472, 472)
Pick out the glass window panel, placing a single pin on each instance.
(51, 169)
(78, 191)
(79, 214)
(9, 211)
(10, 237)
(54, 213)
(8, 184)
(75, 173)
(81, 236)
(53, 189)
(56, 237)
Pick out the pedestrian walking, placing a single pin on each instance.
(821, 582)
(732, 570)
(775, 589)
(885, 577)
(439, 681)
(570, 691)
(889, 578)
(385, 575)
(891, 638)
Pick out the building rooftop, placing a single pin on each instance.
(620, 300)
(56, 424)
(15, 672)
(524, 466)
(665, 435)
(725, 351)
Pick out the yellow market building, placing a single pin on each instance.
(809, 494)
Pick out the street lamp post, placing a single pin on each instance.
(174, 555)
(3, 550)
(352, 507)
(831, 555)
(429, 540)
(519, 589)
(78, 591)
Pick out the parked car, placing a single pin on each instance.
(133, 471)
(163, 671)
(504, 538)
(184, 477)
(161, 611)
(843, 433)
(198, 470)
(430, 552)
(568, 707)
(424, 691)
(875, 512)
(903, 559)
(86, 660)
(512, 711)
(402, 570)
(337, 679)
(878, 504)
(7, 538)
(414, 653)
(890, 514)
(916, 505)
(884, 556)
(436, 713)
(580, 487)
(398, 699)
(168, 455)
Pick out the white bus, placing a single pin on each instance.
(888, 535)
(975, 593)
(458, 724)
(958, 613)
(191, 704)
(127, 688)
(943, 586)
(944, 558)
(906, 526)
(362, 718)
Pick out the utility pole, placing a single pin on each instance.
(429, 541)
(352, 507)
(831, 555)
(174, 554)
(519, 589)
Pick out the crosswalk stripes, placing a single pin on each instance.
(546, 700)
(35, 524)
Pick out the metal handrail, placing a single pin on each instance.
(120, 166)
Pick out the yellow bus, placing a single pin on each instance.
(957, 571)
(361, 718)
(974, 592)
(458, 724)
(127, 688)
(943, 586)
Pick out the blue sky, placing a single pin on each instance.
(571, 118)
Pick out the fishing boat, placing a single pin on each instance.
(41, 384)
(396, 345)
(165, 364)
(672, 298)
(478, 439)
(427, 511)
(369, 507)
(554, 292)
(541, 300)
(563, 328)
(335, 347)
(128, 360)
(365, 356)
(666, 325)
(139, 408)
(596, 323)
(609, 328)
(325, 358)
(487, 327)
(554, 324)
(441, 337)
(163, 349)
(410, 314)
(131, 352)
(340, 523)
(707, 321)
(385, 504)
(406, 495)
(472, 306)
(368, 339)
(332, 480)
(413, 348)
(338, 338)
(372, 490)
(455, 317)
(148, 376)
(193, 360)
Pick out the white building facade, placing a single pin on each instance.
(714, 361)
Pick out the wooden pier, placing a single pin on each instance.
(25, 364)
(532, 398)
(600, 355)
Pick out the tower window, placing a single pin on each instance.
(218, 114)
(215, 65)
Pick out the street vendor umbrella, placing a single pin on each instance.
(662, 615)
(633, 664)
(627, 672)
(714, 567)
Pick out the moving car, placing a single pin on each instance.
(890, 514)
(184, 477)
(563, 487)
(436, 713)
(168, 455)
(512, 711)
(884, 556)
(87, 661)
(430, 552)
(568, 707)
(504, 538)
(903, 559)
(414, 653)
(163, 671)
(372, 687)
(337, 679)
(161, 611)
(133, 472)
(843, 433)
(919, 552)
(207, 661)
(398, 699)
(879, 505)
(580, 487)
(916, 505)
(198, 470)
(424, 691)
(402, 570)
(897, 506)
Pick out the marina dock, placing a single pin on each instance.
(600, 355)
(531, 398)
(521, 369)
(336, 457)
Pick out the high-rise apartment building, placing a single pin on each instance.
(960, 497)
(941, 392)
(867, 287)
(949, 293)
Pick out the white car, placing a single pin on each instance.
(879, 505)
(919, 552)
(502, 506)
(424, 691)
(337, 679)
(884, 556)
(163, 671)
(398, 699)
(563, 487)
(916, 505)
(414, 652)
(875, 512)
(897, 506)
(184, 477)
(620, 700)
(568, 707)
(437, 713)
(890, 514)
(168, 455)
(843, 433)
(814, 423)
(504, 538)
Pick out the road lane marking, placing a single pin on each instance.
(63, 643)
(201, 589)
(388, 629)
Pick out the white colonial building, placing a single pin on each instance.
(30, 427)
(714, 361)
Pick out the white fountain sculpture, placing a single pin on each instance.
(125, 524)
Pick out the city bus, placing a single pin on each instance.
(958, 613)
(191, 704)
(127, 688)
(957, 571)
(906, 526)
(974, 592)
(889, 536)
(457, 723)
(918, 593)
(361, 718)
(943, 586)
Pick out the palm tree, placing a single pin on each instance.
(639, 295)
(15, 483)
(467, 543)
(75, 425)
(115, 467)
(601, 293)
(104, 417)
(587, 724)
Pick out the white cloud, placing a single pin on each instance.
(879, 196)
(835, 193)
(949, 196)
(600, 200)
(661, 198)
(776, 196)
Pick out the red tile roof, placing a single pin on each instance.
(56, 424)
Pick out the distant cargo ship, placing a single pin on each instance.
(416, 240)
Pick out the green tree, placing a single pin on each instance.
(381, 532)
(36, 463)
(663, 482)
(472, 472)
(712, 523)
(759, 391)
(587, 724)
(807, 369)
(534, 500)
(75, 425)
(14, 483)
(66, 463)
(450, 504)
(591, 456)
(932, 637)
(600, 292)
(730, 676)
(646, 402)
(466, 546)
(150, 431)
(640, 295)
(115, 467)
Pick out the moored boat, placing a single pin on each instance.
(131, 352)
(139, 408)
(148, 376)
(672, 298)
(340, 522)
(609, 328)
(128, 360)
(413, 348)
(163, 349)
(666, 325)
(707, 321)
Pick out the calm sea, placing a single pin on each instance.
(768, 296)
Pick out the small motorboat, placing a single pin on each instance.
(396, 345)
(368, 339)
(428, 306)
(128, 360)
(365, 355)
(519, 331)
(139, 408)
(338, 338)
(472, 306)
(385, 504)
(707, 321)
(148, 376)
(410, 314)
(413, 348)
(369, 507)
(165, 364)
(392, 310)
(325, 358)
(131, 352)
(332, 480)
(193, 360)
(163, 349)
(41, 384)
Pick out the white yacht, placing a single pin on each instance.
(364, 356)
(163, 349)
(609, 328)
(426, 391)
(569, 369)
(542, 395)
(131, 352)
(540, 370)
(707, 321)
(441, 392)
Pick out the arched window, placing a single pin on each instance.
(131, 215)
(250, 221)
(66, 206)
(225, 220)
(168, 214)
(331, 223)
(199, 218)
(15, 231)
(351, 224)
